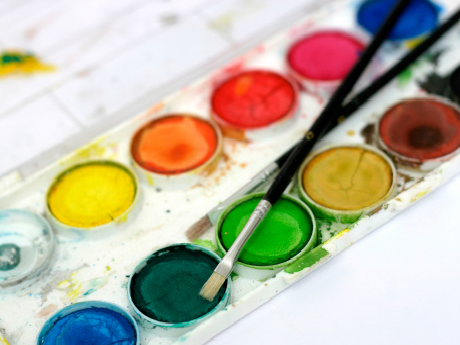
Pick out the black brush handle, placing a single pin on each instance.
(364, 95)
(331, 112)
(405, 62)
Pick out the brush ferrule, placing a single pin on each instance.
(225, 267)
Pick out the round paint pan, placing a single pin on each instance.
(176, 151)
(287, 232)
(254, 105)
(164, 289)
(27, 244)
(90, 323)
(342, 183)
(419, 18)
(420, 133)
(321, 59)
(93, 199)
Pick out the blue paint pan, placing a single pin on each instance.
(419, 18)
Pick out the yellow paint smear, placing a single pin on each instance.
(13, 62)
(92, 194)
(340, 234)
(3, 340)
(347, 178)
(420, 195)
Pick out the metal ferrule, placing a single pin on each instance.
(225, 267)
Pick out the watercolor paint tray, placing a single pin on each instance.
(84, 269)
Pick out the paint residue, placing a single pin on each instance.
(75, 288)
(174, 144)
(10, 256)
(3, 340)
(167, 287)
(282, 234)
(91, 326)
(17, 62)
(206, 243)
(307, 260)
(92, 194)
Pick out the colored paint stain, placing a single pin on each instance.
(10, 256)
(12, 62)
(174, 144)
(420, 17)
(92, 326)
(253, 99)
(307, 260)
(347, 178)
(421, 129)
(325, 55)
(168, 285)
(283, 233)
(92, 194)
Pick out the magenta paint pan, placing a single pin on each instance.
(321, 59)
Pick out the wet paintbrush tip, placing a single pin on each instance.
(212, 286)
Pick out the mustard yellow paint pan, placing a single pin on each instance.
(96, 197)
(342, 183)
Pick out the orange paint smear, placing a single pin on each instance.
(174, 144)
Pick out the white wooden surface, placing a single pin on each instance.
(114, 59)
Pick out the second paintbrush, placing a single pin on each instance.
(265, 175)
(328, 115)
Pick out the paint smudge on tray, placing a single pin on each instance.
(17, 62)
(75, 288)
(3, 340)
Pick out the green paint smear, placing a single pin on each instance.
(307, 260)
(10, 256)
(167, 288)
(280, 236)
(206, 243)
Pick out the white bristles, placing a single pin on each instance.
(199, 228)
(212, 286)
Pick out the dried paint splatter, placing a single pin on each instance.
(3, 340)
(17, 62)
(76, 288)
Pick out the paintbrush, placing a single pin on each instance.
(330, 112)
(210, 218)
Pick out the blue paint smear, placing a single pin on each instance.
(93, 326)
(420, 17)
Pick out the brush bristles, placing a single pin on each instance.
(198, 229)
(212, 286)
